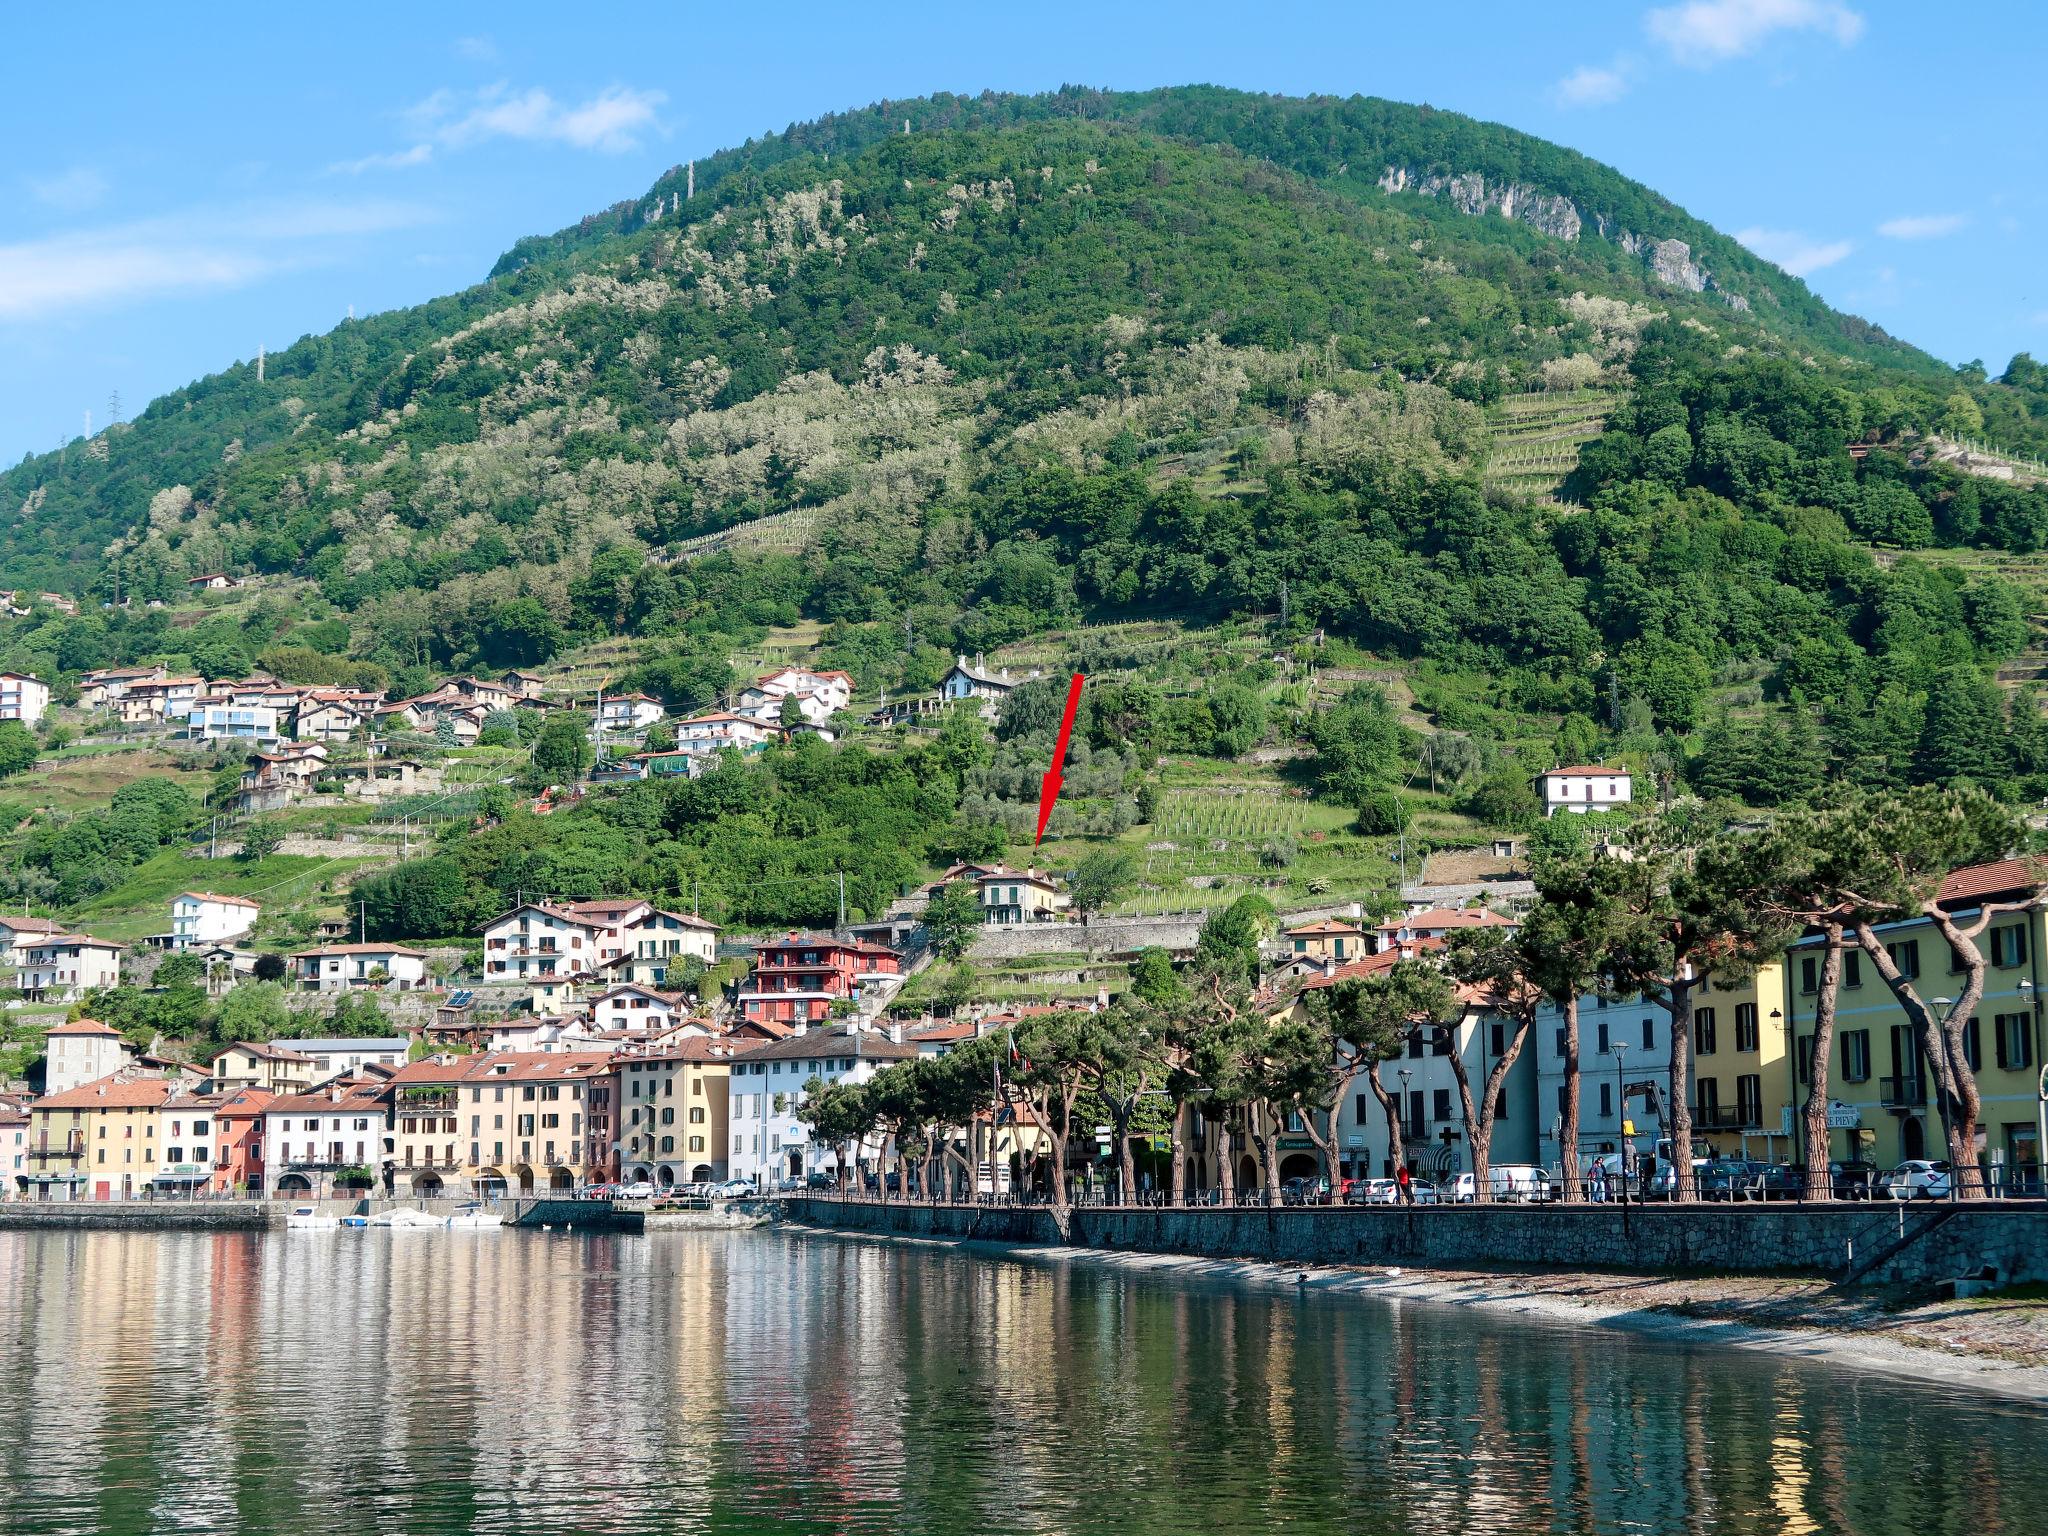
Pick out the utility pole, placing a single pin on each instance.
(259, 362)
(691, 182)
(362, 922)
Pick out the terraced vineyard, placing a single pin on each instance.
(1536, 439)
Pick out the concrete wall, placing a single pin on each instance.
(148, 1215)
(1099, 936)
(1634, 1239)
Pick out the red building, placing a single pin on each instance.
(800, 977)
(238, 1140)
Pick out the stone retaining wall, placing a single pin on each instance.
(1947, 1244)
(148, 1215)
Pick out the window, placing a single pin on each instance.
(1745, 1027)
(1708, 1097)
(1905, 955)
(2008, 946)
(696, 1114)
(1602, 1037)
(1560, 1040)
(1358, 1109)
(1440, 1104)
(1499, 1039)
(1606, 1099)
(1500, 1104)
(1805, 1052)
(1749, 1098)
(1649, 1034)
(1973, 1045)
(1856, 1055)
(1703, 1038)
(1809, 972)
(2015, 1040)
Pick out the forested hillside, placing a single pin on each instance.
(1092, 358)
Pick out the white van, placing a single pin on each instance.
(1517, 1183)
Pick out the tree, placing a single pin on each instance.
(18, 748)
(1487, 963)
(838, 1116)
(1358, 743)
(1100, 879)
(1228, 943)
(1368, 1020)
(563, 754)
(254, 1011)
(260, 839)
(1045, 1078)
(952, 918)
(792, 712)
(270, 967)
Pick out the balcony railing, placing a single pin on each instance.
(74, 1150)
(1902, 1092)
(1727, 1117)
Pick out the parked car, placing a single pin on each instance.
(1854, 1180)
(1305, 1192)
(599, 1191)
(1459, 1189)
(1372, 1192)
(821, 1180)
(639, 1189)
(1518, 1183)
(1663, 1183)
(1731, 1179)
(1422, 1192)
(1783, 1181)
(1918, 1179)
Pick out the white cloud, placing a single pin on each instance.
(1701, 33)
(1797, 253)
(479, 49)
(1922, 226)
(195, 250)
(72, 191)
(612, 121)
(1589, 86)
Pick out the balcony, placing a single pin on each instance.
(37, 1154)
(1902, 1092)
(426, 1101)
(1723, 1117)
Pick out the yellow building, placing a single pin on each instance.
(521, 1121)
(96, 1141)
(260, 1064)
(1879, 1080)
(672, 1108)
(1019, 896)
(1742, 1084)
(1329, 939)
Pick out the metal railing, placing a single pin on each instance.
(1901, 1092)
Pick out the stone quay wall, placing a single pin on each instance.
(149, 1215)
(1872, 1243)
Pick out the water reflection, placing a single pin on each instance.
(452, 1382)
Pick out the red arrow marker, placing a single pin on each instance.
(1049, 786)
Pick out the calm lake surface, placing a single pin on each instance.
(434, 1383)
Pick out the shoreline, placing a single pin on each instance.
(1575, 1300)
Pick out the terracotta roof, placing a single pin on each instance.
(357, 1098)
(1371, 965)
(683, 1048)
(519, 1067)
(1326, 925)
(31, 925)
(1612, 773)
(1980, 880)
(233, 901)
(1450, 917)
(85, 939)
(262, 1050)
(112, 1092)
(85, 1027)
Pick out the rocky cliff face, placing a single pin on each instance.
(1669, 261)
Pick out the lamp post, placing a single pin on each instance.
(1404, 1074)
(1621, 1113)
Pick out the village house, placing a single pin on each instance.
(769, 1141)
(332, 718)
(63, 967)
(1019, 896)
(14, 1126)
(520, 1118)
(1741, 1066)
(186, 1123)
(988, 689)
(238, 1141)
(345, 967)
(527, 685)
(672, 1105)
(233, 722)
(1583, 789)
(97, 1140)
(631, 713)
(22, 697)
(638, 1010)
(206, 917)
(270, 1065)
(212, 581)
(349, 1057)
(1328, 938)
(158, 699)
(489, 694)
(703, 736)
(1885, 1106)
(14, 929)
(1439, 923)
(333, 1137)
(104, 687)
(800, 978)
(82, 1051)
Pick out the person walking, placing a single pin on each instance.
(1598, 1183)
(1402, 1185)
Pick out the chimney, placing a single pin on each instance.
(1102, 997)
(1329, 965)
(803, 1025)
(895, 1034)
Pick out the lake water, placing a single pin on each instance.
(436, 1383)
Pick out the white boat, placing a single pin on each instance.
(405, 1219)
(474, 1218)
(307, 1218)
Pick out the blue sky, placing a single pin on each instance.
(180, 186)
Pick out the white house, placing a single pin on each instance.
(832, 690)
(62, 967)
(106, 686)
(233, 722)
(660, 935)
(705, 735)
(185, 1140)
(82, 1051)
(1441, 923)
(628, 712)
(639, 1010)
(339, 1058)
(344, 967)
(1583, 789)
(308, 1138)
(769, 1142)
(15, 930)
(22, 697)
(204, 917)
(976, 682)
